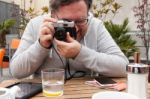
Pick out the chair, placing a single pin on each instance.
(13, 47)
(2, 53)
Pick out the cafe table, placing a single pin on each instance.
(74, 88)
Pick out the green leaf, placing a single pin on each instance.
(6, 25)
(116, 6)
(9, 23)
(119, 34)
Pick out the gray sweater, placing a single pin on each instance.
(99, 52)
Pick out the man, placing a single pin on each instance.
(93, 50)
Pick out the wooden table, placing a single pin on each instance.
(74, 89)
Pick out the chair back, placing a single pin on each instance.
(2, 53)
(13, 47)
(14, 43)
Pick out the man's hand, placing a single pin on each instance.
(46, 32)
(69, 49)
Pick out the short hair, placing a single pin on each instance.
(55, 4)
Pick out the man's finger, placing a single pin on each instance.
(48, 19)
(48, 37)
(69, 38)
(62, 43)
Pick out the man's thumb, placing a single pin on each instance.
(69, 38)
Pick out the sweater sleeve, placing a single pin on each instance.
(107, 59)
(29, 55)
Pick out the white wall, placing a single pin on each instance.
(37, 4)
(127, 11)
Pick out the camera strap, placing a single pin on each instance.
(70, 74)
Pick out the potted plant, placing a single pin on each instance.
(119, 34)
(101, 9)
(142, 13)
(5, 29)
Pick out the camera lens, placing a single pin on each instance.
(60, 33)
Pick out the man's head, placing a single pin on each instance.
(55, 4)
(72, 10)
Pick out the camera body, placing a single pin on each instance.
(62, 27)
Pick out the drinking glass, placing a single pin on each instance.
(52, 82)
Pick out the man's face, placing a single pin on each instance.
(76, 12)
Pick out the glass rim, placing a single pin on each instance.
(46, 70)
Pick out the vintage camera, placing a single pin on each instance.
(62, 27)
